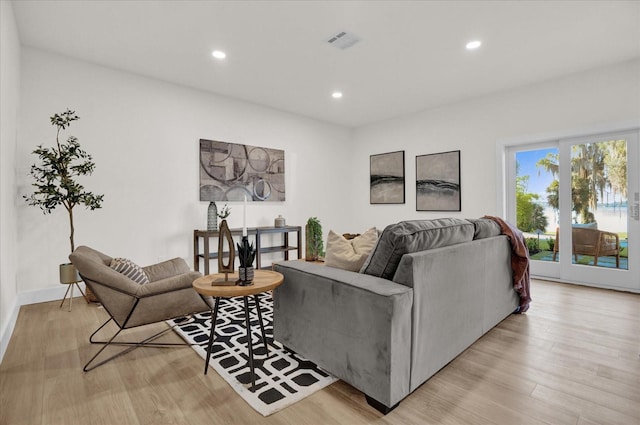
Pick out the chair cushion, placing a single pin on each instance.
(349, 254)
(130, 270)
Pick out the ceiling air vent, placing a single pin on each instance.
(343, 40)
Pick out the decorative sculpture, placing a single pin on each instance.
(225, 234)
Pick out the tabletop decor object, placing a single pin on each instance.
(225, 235)
(246, 255)
(279, 221)
(212, 217)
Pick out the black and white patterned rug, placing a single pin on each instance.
(282, 377)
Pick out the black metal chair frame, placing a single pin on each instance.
(132, 345)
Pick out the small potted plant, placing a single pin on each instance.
(313, 237)
(56, 185)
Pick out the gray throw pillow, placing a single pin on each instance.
(414, 236)
(484, 228)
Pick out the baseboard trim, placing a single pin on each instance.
(7, 329)
(25, 298)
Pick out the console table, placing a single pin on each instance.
(256, 232)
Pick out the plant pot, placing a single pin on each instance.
(69, 274)
(245, 276)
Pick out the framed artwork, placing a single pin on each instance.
(438, 182)
(387, 178)
(229, 171)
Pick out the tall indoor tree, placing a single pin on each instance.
(56, 174)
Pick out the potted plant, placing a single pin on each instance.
(313, 237)
(55, 181)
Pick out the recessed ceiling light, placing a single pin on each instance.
(336, 94)
(472, 45)
(219, 54)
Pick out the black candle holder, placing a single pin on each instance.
(246, 255)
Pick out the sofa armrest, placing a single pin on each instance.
(459, 293)
(609, 241)
(355, 326)
(168, 268)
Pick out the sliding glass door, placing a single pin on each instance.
(576, 201)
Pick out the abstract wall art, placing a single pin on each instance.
(231, 171)
(387, 178)
(438, 182)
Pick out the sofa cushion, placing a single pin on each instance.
(414, 236)
(349, 254)
(484, 228)
(130, 270)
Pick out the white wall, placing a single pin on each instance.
(9, 102)
(143, 135)
(604, 97)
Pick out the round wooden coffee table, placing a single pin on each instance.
(264, 280)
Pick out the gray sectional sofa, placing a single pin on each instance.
(428, 291)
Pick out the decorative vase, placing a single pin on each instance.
(212, 217)
(245, 275)
(279, 221)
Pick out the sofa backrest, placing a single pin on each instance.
(414, 236)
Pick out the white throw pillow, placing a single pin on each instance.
(349, 254)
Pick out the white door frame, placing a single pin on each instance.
(565, 271)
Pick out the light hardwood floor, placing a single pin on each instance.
(572, 359)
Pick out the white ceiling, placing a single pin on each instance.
(411, 57)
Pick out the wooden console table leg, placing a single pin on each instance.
(206, 254)
(286, 245)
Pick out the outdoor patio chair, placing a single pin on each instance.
(159, 292)
(594, 242)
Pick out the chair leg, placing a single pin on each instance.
(131, 345)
